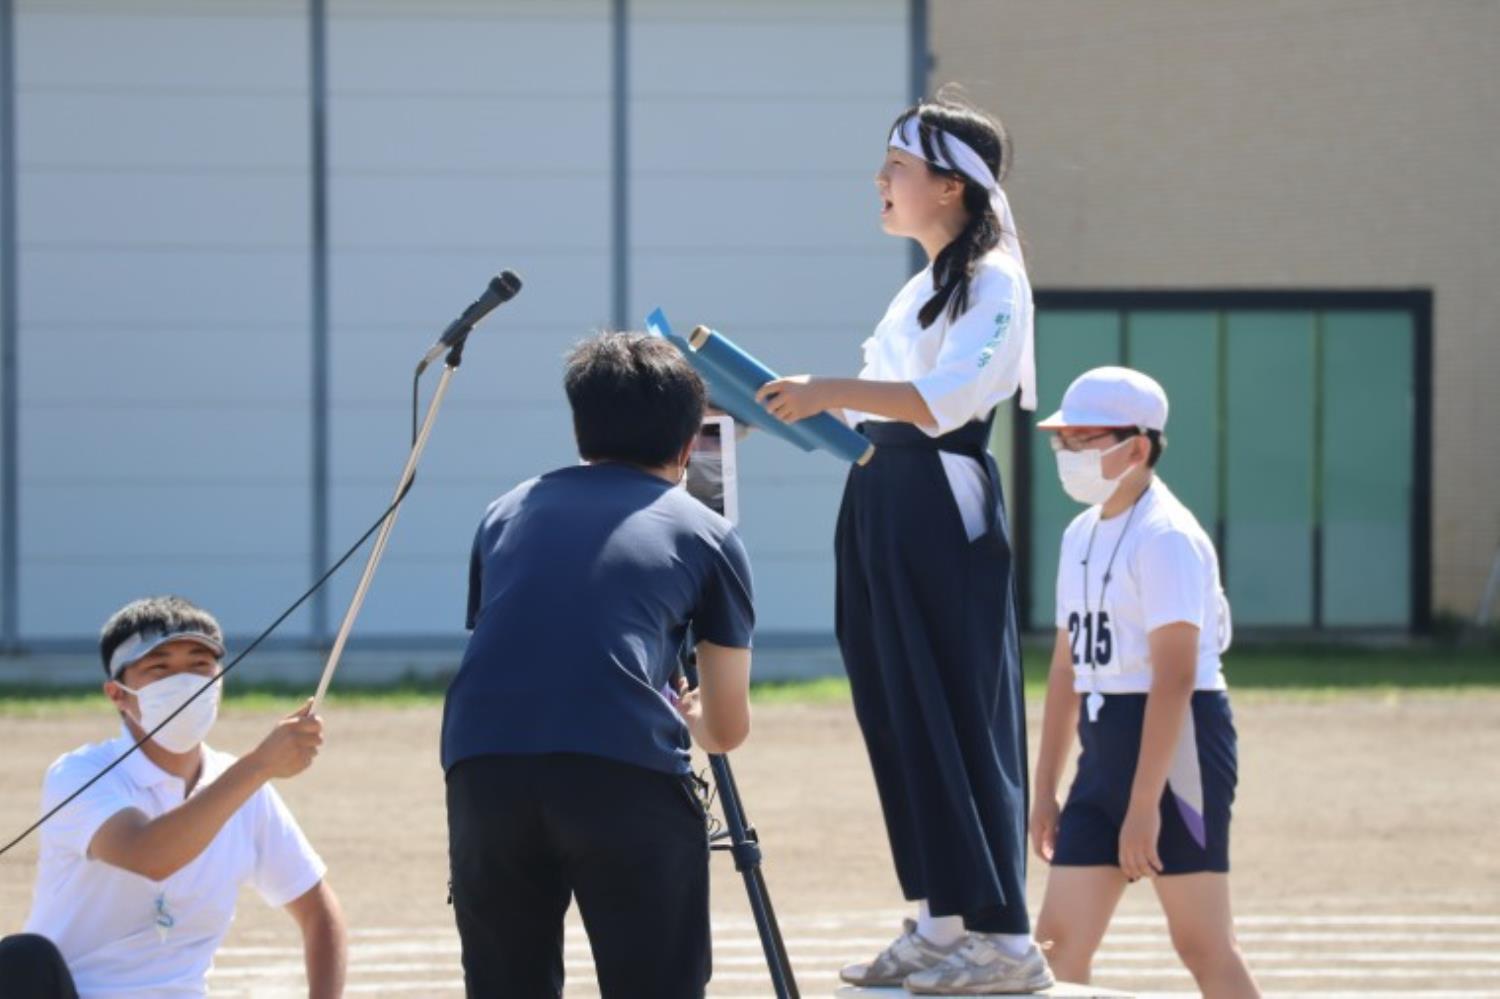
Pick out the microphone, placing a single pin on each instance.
(499, 291)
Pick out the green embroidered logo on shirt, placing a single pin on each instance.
(1002, 323)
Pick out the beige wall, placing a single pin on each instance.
(1247, 143)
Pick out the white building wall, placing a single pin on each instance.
(165, 342)
(465, 138)
(163, 240)
(756, 132)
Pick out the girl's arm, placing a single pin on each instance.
(1059, 717)
(800, 396)
(1174, 660)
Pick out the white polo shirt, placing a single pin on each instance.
(962, 368)
(105, 919)
(1166, 571)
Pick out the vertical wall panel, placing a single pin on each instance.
(164, 410)
(465, 138)
(1270, 467)
(755, 133)
(1368, 399)
(1181, 351)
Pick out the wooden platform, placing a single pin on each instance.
(1061, 990)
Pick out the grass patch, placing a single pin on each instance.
(27, 700)
(824, 690)
(1288, 670)
(1343, 668)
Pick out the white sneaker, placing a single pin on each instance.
(978, 967)
(910, 952)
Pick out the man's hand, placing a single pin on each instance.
(1138, 836)
(794, 398)
(689, 704)
(1044, 818)
(292, 744)
(717, 712)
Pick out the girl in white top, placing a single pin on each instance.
(926, 612)
(1141, 623)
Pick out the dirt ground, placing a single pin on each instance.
(1365, 854)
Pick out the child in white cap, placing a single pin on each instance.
(1141, 623)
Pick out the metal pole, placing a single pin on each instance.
(318, 252)
(10, 441)
(620, 166)
(916, 84)
(376, 552)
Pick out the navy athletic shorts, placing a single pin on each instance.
(1195, 806)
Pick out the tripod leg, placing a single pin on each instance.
(746, 851)
(781, 956)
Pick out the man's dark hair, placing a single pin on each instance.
(635, 399)
(1157, 439)
(163, 614)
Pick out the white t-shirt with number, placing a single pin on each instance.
(1165, 572)
(111, 924)
(962, 368)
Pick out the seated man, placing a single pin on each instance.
(565, 741)
(137, 878)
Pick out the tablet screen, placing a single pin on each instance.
(711, 474)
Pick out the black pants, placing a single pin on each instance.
(528, 833)
(927, 627)
(32, 968)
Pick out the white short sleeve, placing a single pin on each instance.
(1170, 571)
(979, 363)
(72, 829)
(286, 865)
(1060, 602)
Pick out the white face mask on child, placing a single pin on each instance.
(157, 700)
(1082, 474)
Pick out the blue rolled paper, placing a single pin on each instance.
(722, 390)
(734, 376)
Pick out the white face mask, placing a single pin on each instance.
(157, 700)
(1082, 474)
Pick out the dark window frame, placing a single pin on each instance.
(1418, 302)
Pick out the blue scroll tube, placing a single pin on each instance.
(823, 430)
(736, 396)
(725, 392)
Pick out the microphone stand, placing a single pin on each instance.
(403, 485)
(741, 841)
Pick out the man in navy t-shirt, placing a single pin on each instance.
(565, 739)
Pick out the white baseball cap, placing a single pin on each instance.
(1111, 397)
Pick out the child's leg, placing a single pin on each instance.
(1075, 913)
(1202, 927)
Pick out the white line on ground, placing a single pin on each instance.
(868, 920)
(1110, 965)
(1432, 952)
(852, 947)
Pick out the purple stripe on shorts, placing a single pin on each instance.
(1194, 820)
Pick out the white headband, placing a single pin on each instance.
(961, 158)
(138, 645)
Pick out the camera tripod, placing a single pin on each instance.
(738, 838)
